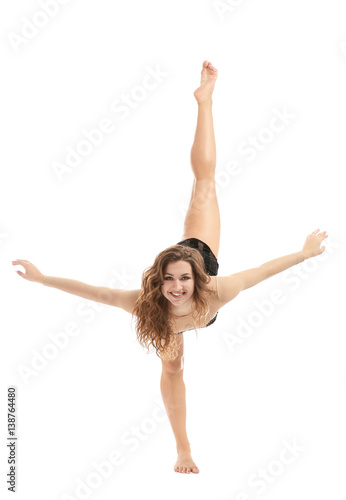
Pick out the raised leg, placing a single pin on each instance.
(202, 219)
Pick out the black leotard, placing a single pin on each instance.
(210, 263)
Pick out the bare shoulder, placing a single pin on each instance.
(215, 300)
(213, 284)
(225, 289)
(125, 299)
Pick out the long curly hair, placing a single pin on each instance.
(154, 324)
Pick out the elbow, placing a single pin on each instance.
(264, 273)
(105, 295)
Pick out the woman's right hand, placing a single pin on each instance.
(31, 271)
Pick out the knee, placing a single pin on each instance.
(173, 367)
(204, 193)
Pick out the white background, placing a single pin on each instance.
(124, 203)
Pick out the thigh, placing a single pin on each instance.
(202, 219)
(177, 364)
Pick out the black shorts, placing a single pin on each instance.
(210, 261)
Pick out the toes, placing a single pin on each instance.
(186, 470)
(179, 469)
(211, 67)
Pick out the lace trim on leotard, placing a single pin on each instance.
(211, 320)
(210, 323)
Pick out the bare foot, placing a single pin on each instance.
(208, 78)
(185, 464)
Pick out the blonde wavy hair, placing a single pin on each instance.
(154, 324)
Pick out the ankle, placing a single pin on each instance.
(184, 450)
(205, 103)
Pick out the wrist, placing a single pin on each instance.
(301, 256)
(43, 279)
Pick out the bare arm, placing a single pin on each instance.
(230, 286)
(124, 299)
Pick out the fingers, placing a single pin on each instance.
(20, 262)
(324, 234)
(315, 232)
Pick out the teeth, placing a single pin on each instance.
(177, 294)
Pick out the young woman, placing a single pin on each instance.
(181, 290)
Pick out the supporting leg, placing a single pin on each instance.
(174, 398)
(173, 395)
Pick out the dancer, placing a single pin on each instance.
(181, 290)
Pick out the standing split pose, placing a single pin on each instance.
(181, 290)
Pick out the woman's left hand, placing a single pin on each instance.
(312, 244)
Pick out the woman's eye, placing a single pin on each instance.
(184, 278)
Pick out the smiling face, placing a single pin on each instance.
(178, 282)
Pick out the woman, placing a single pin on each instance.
(181, 290)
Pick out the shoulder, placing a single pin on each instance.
(225, 288)
(213, 284)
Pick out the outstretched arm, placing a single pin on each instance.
(230, 286)
(115, 297)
